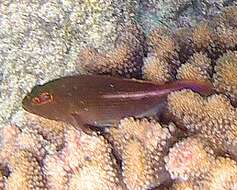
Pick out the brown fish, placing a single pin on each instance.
(100, 101)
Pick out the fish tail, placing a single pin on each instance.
(201, 87)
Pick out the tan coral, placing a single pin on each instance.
(125, 60)
(148, 142)
(225, 79)
(93, 176)
(32, 142)
(162, 44)
(8, 136)
(143, 129)
(229, 15)
(138, 173)
(156, 70)
(55, 173)
(190, 106)
(222, 175)
(189, 159)
(196, 68)
(25, 173)
(202, 36)
(185, 185)
(189, 71)
(183, 37)
(214, 118)
(85, 162)
(2, 181)
(201, 59)
(225, 37)
(52, 131)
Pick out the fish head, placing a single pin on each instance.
(46, 101)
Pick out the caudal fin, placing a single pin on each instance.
(203, 88)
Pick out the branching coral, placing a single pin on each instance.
(189, 159)
(202, 36)
(185, 185)
(225, 78)
(149, 142)
(162, 44)
(195, 48)
(50, 130)
(45, 154)
(222, 175)
(155, 69)
(25, 172)
(86, 162)
(196, 68)
(124, 60)
(194, 166)
(214, 117)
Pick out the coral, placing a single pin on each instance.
(124, 60)
(2, 181)
(85, 162)
(188, 159)
(174, 14)
(149, 142)
(225, 78)
(161, 43)
(8, 136)
(52, 131)
(202, 36)
(222, 175)
(41, 40)
(13, 139)
(214, 118)
(225, 28)
(25, 172)
(185, 185)
(196, 68)
(192, 163)
(156, 70)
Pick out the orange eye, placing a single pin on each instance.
(43, 98)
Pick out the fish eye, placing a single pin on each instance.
(42, 98)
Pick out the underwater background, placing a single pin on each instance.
(154, 40)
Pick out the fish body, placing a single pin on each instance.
(102, 100)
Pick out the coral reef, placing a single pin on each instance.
(213, 117)
(149, 142)
(25, 171)
(192, 147)
(225, 78)
(192, 164)
(198, 67)
(85, 162)
(41, 40)
(124, 60)
(173, 14)
(189, 159)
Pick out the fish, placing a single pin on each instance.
(102, 101)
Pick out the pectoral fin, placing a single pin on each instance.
(78, 122)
